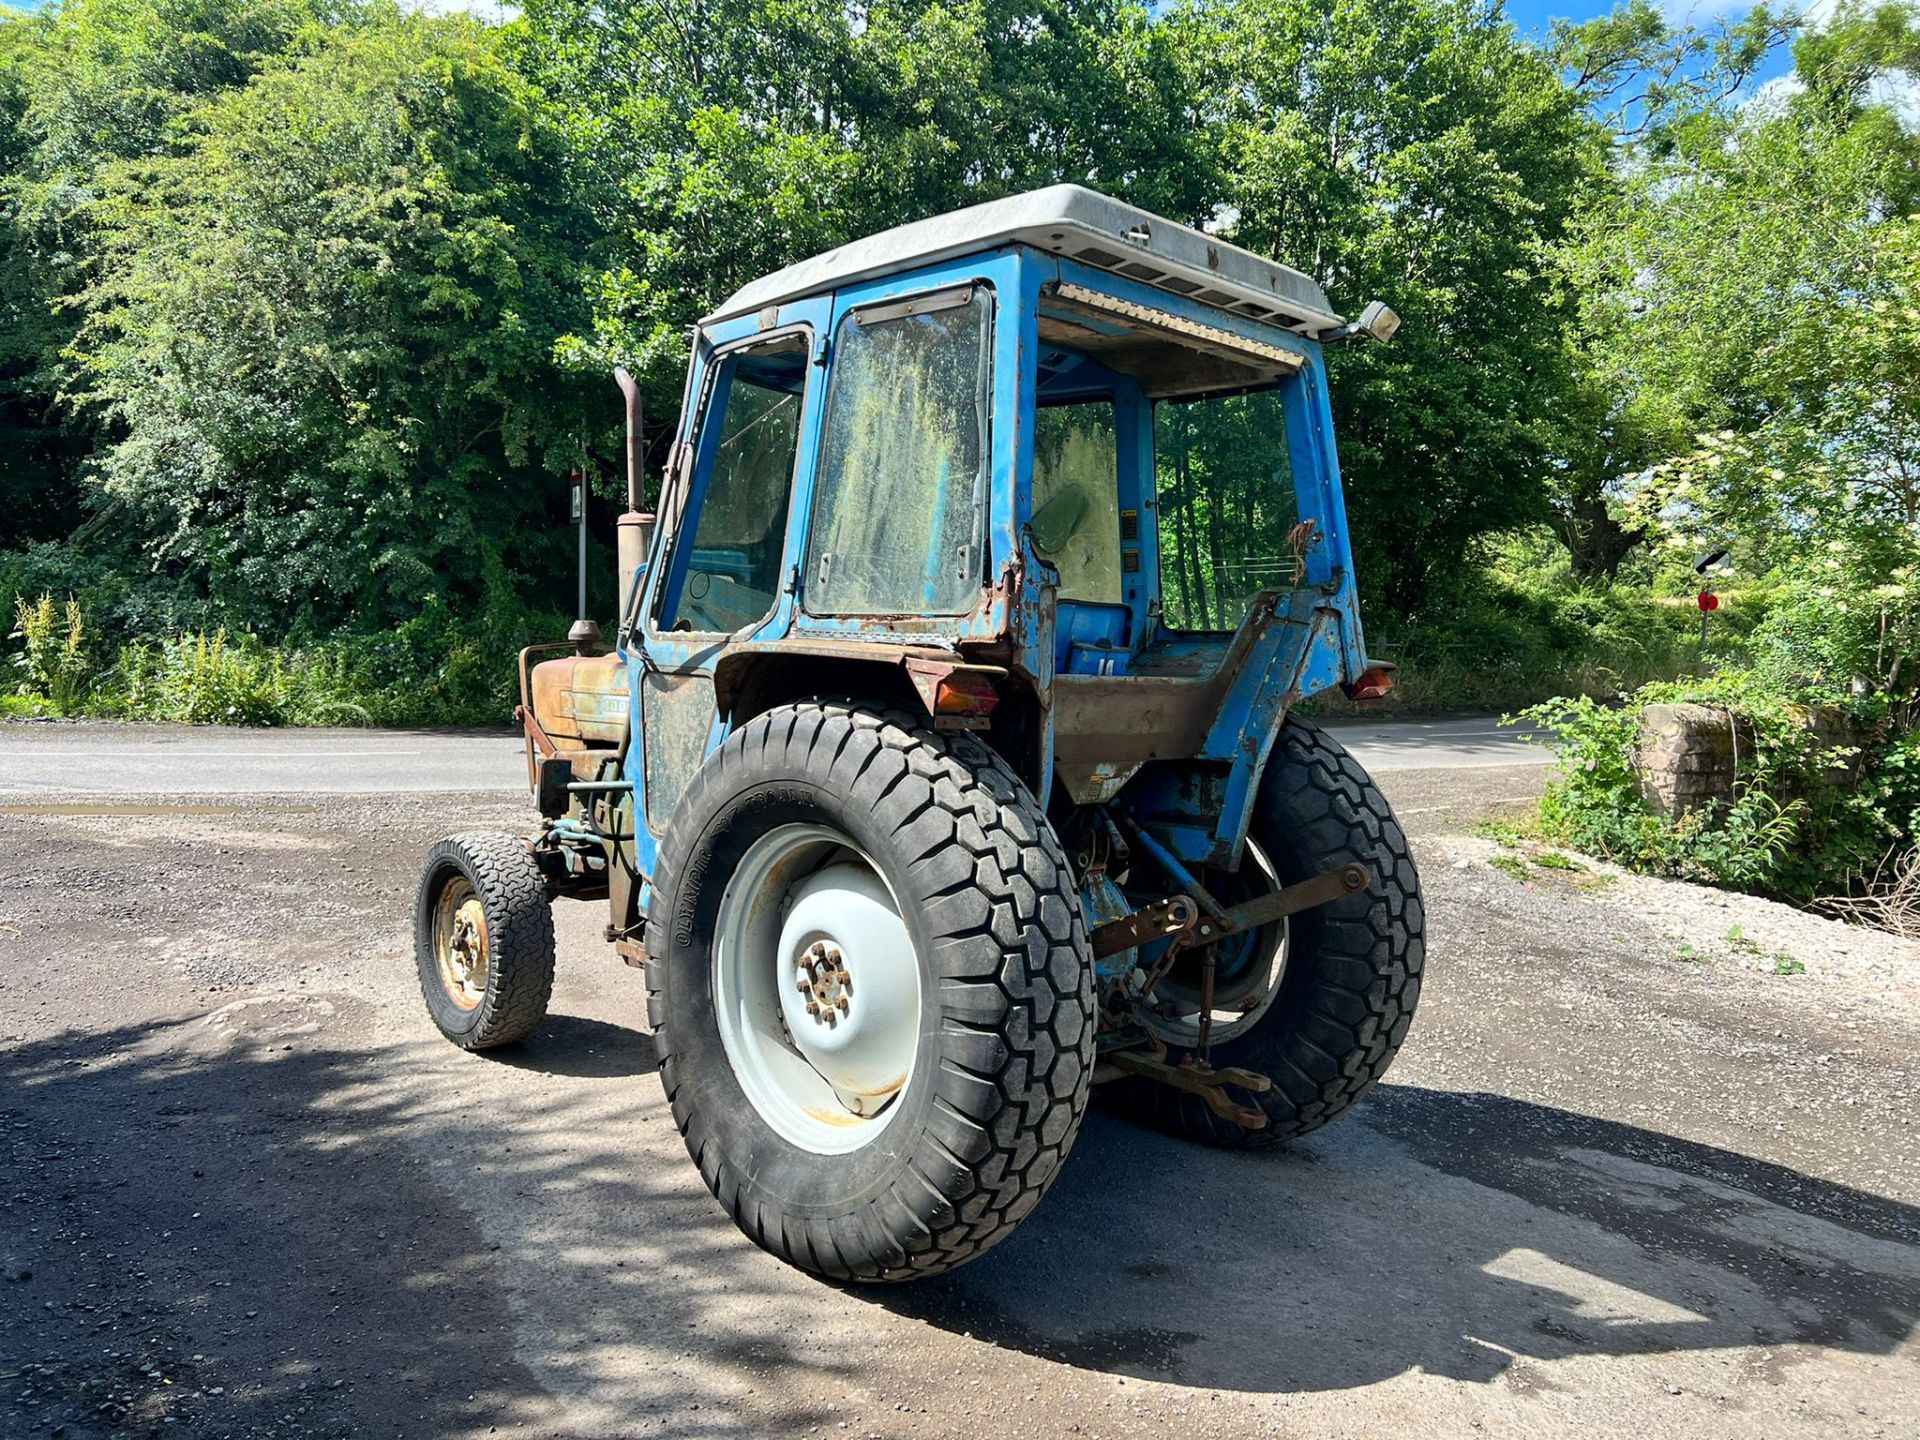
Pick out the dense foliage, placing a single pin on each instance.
(307, 305)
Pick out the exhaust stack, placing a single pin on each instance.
(585, 634)
(635, 531)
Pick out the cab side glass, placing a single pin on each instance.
(1227, 506)
(1076, 486)
(899, 509)
(749, 440)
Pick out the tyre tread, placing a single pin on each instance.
(1349, 1020)
(520, 937)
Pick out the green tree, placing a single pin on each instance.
(1754, 294)
(1650, 80)
(1422, 154)
(714, 144)
(84, 85)
(321, 328)
(1755, 288)
(1642, 73)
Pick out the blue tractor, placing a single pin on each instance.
(943, 767)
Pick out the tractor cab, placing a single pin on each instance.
(1074, 455)
(942, 765)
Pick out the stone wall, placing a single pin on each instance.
(1687, 756)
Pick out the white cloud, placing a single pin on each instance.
(1900, 93)
(1772, 95)
(493, 12)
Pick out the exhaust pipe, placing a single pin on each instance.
(635, 529)
(585, 634)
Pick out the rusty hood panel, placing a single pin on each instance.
(582, 699)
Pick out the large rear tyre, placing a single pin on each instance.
(483, 940)
(1322, 1001)
(870, 989)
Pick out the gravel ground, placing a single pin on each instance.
(1626, 1178)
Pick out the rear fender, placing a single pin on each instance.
(1201, 805)
(752, 678)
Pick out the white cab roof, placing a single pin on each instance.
(1076, 222)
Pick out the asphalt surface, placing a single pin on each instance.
(86, 759)
(1609, 1188)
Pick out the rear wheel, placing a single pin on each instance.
(1319, 1002)
(871, 991)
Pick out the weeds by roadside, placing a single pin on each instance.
(1803, 819)
(52, 659)
(1512, 866)
(428, 671)
(1524, 853)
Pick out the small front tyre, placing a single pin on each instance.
(483, 940)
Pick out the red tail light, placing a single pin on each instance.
(964, 694)
(957, 696)
(1372, 683)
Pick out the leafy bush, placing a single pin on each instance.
(210, 679)
(1798, 827)
(432, 670)
(53, 659)
(1497, 644)
(1834, 638)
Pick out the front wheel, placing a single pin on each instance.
(1320, 1002)
(483, 940)
(870, 989)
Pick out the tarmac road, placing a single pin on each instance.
(245, 1189)
(92, 759)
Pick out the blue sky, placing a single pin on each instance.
(1531, 16)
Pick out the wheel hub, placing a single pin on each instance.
(1249, 967)
(853, 1008)
(461, 943)
(825, 984)
(817, 989)
(469, 951)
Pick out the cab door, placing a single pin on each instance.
(726, 572)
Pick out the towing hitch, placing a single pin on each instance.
(1180, 916)
(1196, 922)
(1197, 1077)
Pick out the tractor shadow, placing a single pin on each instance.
(248, 1223)
(576, 1047)
(1459, 1235)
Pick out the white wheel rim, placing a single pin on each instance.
(1257, 994)
(816, 989)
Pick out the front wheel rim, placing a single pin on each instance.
(461, 947)
(817, 990)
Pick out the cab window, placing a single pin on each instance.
(1227, 506)
(1076, 511)
(749, 440)
(899, 508)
